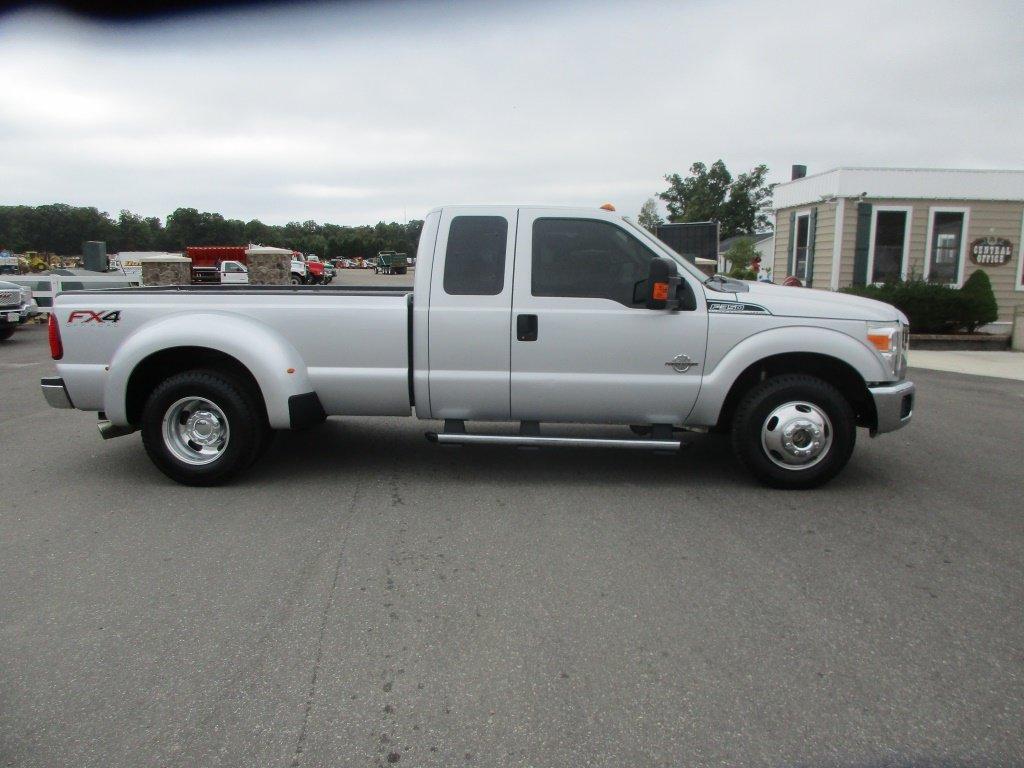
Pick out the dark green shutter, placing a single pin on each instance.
(863, 243)
(789, 250)
(812, 227)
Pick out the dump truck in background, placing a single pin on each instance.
(208, 264)
(391, 263)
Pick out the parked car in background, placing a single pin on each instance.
(16, 306)
(577, 316)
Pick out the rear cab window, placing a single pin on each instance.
(475, 257)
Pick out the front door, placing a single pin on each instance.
(233, 272)
(584, 348)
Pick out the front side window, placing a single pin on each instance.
(890, 237)
(587, 258)
(475, 258)
(947, 237)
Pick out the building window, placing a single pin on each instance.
(890, 238)
(947, 231)
(801, 245)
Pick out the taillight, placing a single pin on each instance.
(56, 347)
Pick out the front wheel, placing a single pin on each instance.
(794, 431)
(202, 427)
(6, 332)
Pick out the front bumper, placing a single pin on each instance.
(55, 392)
(22, 313)
(894, 406)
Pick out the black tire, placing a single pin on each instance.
(754, 414)
(7, 331)
(296, 280)
(248, 431)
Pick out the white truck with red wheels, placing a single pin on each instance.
(526, 314)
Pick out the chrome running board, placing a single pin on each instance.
(536, 441)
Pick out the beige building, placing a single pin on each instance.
(853, 226)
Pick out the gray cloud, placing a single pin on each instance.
(352, 113)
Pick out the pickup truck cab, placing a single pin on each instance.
(523, 314)
(225, 273)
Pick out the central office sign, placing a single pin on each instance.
(991, 251)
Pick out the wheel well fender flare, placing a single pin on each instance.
(274, 364)
(796, 346)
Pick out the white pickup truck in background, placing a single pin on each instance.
(524, 314)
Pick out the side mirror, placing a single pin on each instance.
(662, 284)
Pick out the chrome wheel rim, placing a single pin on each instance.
(796, 435)
(196, 430)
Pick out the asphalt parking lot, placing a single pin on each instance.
(365, 598)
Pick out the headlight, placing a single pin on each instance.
(890, 341)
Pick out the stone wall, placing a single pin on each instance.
(166, 270)
(269, 268)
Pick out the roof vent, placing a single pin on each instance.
(799, 171)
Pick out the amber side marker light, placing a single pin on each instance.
(53, 332)
(607, 207)
(659, 292)
(881, 341)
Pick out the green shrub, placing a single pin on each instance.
(979, 301)
(741, 256)
(931, 308)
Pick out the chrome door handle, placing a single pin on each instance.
(681, 363)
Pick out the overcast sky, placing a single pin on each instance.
(352, 113)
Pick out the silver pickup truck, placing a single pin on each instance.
(16, 306)
(523, 314)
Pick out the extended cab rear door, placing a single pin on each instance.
(469, 324)
(582, 348)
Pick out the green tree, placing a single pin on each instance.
(740, 256)
(61, 229)
(980, 305)
(649, 218)
(135, 233)
(740, 205)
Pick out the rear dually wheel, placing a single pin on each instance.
(202, 427)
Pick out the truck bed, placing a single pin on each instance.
(353, 342)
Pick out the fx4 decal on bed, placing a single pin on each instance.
(88, 316)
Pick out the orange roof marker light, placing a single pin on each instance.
(607, 207)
